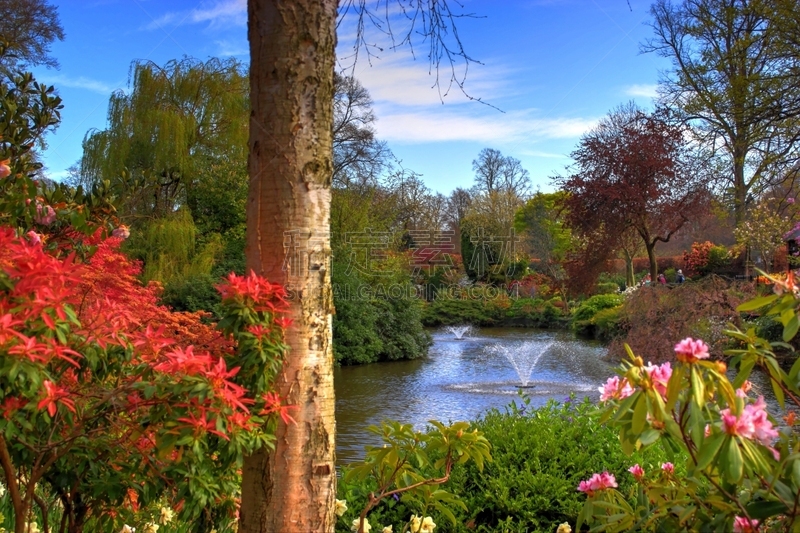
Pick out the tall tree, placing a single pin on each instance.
(735, 82)
(633, 172)
(292, 53)
(178, 125)
(359, 158)
(546, 236)
(27, 29)
(495, 172)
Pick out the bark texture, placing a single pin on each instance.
(292, 53)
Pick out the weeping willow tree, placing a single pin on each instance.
(170, 134)
(169, 248)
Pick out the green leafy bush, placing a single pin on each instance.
(447, 312)
(590, 307)
(369, 328)
(539, 457)
(607, 323)
(608, 287)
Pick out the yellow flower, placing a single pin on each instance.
(415, 523)
(341, 507)
(387, 529)
(33, 528)
(564, 528)
(366, 529)
(150, 528)
(166, 516)
(127, 529)
(427, 525)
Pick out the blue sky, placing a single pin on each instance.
(554, 67)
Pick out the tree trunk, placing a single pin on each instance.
(651, 255)
(292, 52)
(630, 274)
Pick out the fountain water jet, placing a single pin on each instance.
(522, 356)
(460, 331)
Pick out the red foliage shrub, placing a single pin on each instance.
(103, 391)
(654, 317)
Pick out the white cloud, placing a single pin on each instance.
(419, 126)
(228, 49)
(643, 90)
(546, 155)
(221, 13)
(81, 82)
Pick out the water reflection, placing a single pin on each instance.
(460, 380)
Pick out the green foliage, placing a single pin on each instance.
(587, 309)
(168, 248)
(539, 457)
(448, 312)
(407, 475)
(180, 127)
(607, 287)
(607, 323)
(370, 325)
(193, 293)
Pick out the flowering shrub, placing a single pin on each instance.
(705, 258)
(763, 232)
(113, 402)
(410, 468)
(741, 471)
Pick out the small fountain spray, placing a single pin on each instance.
(522, 356)
(460, 331)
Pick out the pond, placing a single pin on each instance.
(463, 378)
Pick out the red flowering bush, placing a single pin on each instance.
(705, 258)
(107, 397)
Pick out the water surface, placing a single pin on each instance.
(461, 380)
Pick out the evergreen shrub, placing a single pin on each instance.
(539, 457)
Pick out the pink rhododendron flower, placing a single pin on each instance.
(690, 350)
(745, 525)
(5, 170)
(637, 471)
(122, 232)
(790, 200)
(751, 424)
(45, 215)
(659, 375)
(669, 468)
(615, 389)
(597, 482)
(34, 237)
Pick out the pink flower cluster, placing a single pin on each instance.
(615, 389)
(45, 215)
(690, 350)
(597, 482)
(751, 424)
(668, 468)
(744, 525)
(659, 375)
(637, 471)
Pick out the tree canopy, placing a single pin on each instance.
(734, 78)
(633, 172)
(178, 125)
(27, 29)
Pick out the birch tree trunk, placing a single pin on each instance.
(292, 53)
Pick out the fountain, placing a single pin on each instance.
(460, 331)
(522, 356)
